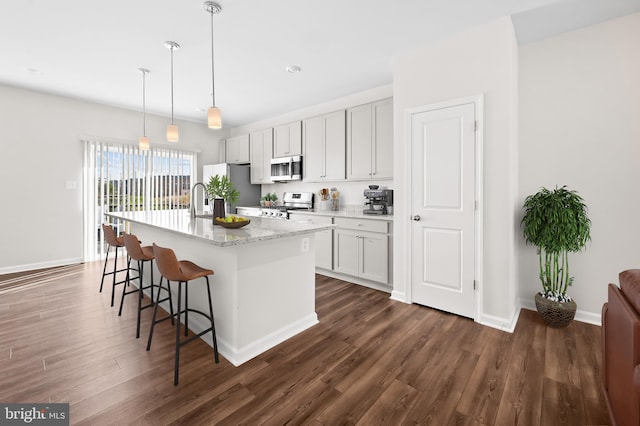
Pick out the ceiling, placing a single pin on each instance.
(91, 50)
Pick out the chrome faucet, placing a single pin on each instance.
(193, 201)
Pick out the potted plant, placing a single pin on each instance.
(221, 190)
(268, 199)
(556, 222)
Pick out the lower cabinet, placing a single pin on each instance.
(355, 247)
(324, 239)
(361, 248)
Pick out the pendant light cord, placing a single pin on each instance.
(213, 86)
(171, 48)
(144, 106)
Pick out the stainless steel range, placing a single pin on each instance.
(290, 201)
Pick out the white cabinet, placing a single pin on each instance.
(287, 140)
(260, 148)
(324, 239)
(370, 141)
(323, 140)
(361, 248)
(237, 149)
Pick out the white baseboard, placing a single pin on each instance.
(504, 324)
(582, 316)
(355, 280)
(399, 296)
(41, 265)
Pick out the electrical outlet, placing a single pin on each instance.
(304, 246)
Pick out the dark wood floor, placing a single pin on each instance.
(370, 361)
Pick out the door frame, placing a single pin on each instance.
(478, 101)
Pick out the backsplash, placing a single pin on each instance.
(350, 192)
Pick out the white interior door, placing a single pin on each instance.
(442, 206)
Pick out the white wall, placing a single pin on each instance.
(580, 126)
(481, 61)
(41, 151)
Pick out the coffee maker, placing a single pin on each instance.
(378, 201)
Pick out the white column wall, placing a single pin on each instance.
(480, 61)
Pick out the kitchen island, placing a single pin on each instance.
(263, 289)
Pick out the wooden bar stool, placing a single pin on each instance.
(141, 255)
(112, 241)
(182, 271)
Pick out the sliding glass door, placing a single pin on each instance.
(120, 177)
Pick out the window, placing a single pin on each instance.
(119, 177)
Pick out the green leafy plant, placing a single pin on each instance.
(556, 222)
(219, 186)
(269, 197)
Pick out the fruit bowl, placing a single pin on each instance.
(232, 225)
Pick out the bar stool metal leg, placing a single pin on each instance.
(171, 315)
(177, 358)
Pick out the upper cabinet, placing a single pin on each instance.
(238, 149)
(370, 141)
(261, 145)
(323, 140)
(287, 140)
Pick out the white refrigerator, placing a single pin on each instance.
(239, 175)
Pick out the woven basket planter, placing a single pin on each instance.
(555, 314)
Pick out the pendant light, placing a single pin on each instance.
(172, 129)
(213, 115)
(143, 141)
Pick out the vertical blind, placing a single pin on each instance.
(120, 177)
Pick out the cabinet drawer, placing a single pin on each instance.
(362, 224)
(316, 220)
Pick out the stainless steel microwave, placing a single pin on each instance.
(284, 169)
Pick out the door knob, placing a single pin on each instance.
(416, 217)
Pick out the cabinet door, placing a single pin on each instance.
(335, 140)
(359, 142)
(261, 143)
(313, 140)
(287, 140)
(324, 249)
(346, 251)
(382, 153)
(238, 150)
(374, 255)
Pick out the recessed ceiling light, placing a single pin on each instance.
(293, 69)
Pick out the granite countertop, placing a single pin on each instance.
(356, 214)
(180, 222)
